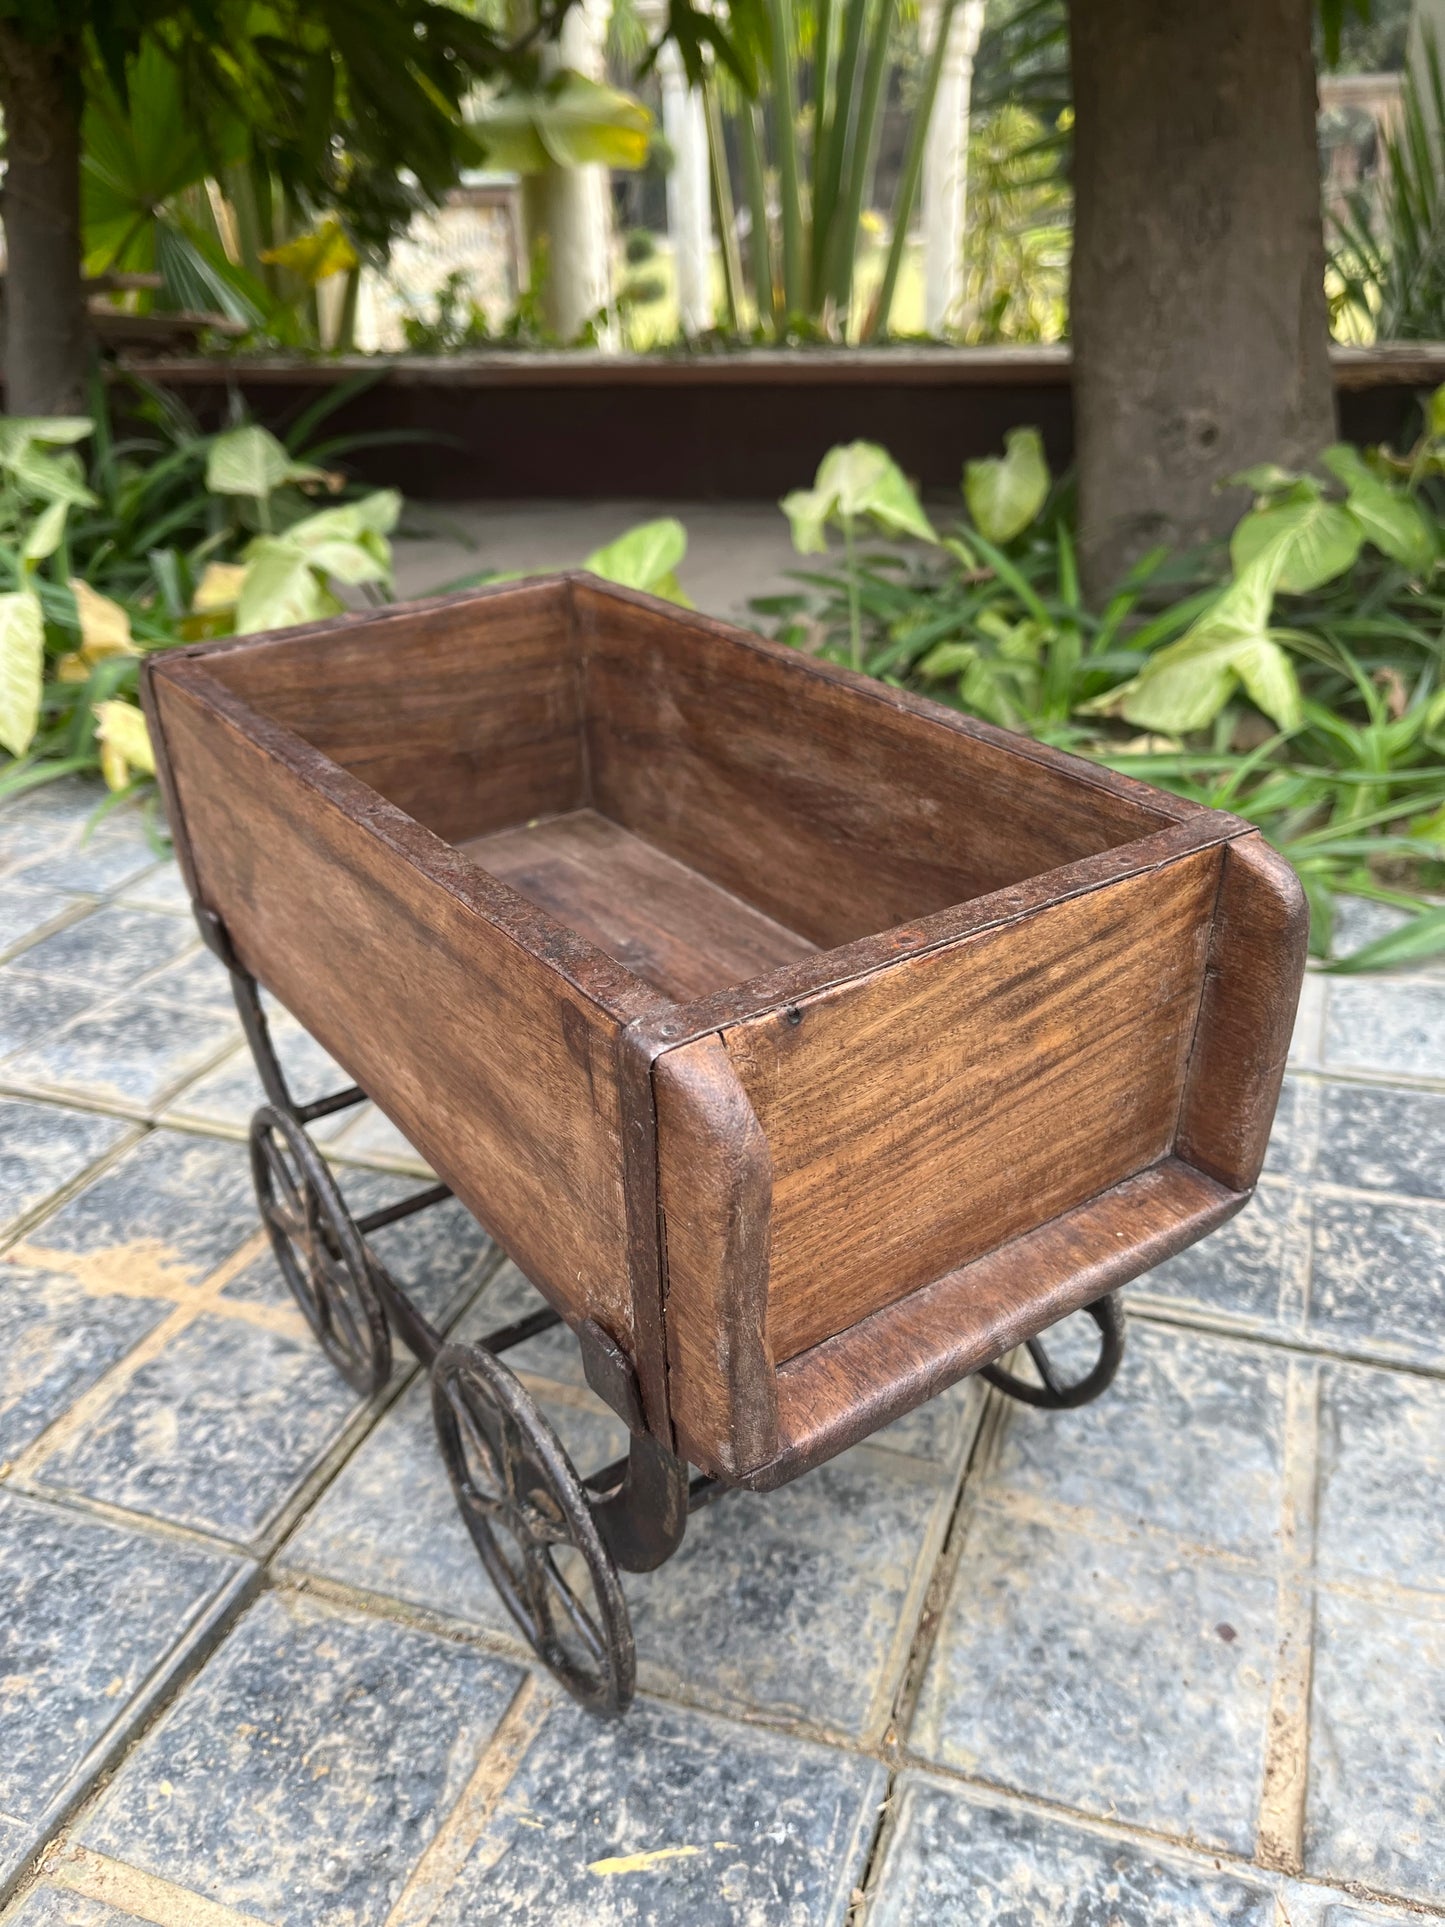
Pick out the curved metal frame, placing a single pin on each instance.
(1056, 1394)
(513, 1480)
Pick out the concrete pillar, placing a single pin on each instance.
(945, 164)
(576, 202)
(689, 193)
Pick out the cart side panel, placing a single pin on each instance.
(715, 1197)
(492, 1062)
(1251, 990)
(465, 714)
(922, 1115)
(838, 807)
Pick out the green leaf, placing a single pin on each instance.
(19, 433)
(853, 480)
(281, 588)
(646, 557)
(250, 461)
(1391, 519)
(948, 659)
(1303, 539)
(1423, 936)
(1005, 493)
(46, 531)
(341, 542)
(571, 121)
(1435, 411)
(22, 656)
(1184, 686)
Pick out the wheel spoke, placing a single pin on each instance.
(580, 1619)
(481, 1452)
(279, 1167)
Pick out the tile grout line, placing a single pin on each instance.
(137, 1894)
(451, 1846)
(1279, 1841)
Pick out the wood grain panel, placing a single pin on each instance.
(838, 806)
(1251, 989)
(484, 1031)
(665, 922)
(922, 1115)
(715, 1192)
(844, 1389)
(464, 712)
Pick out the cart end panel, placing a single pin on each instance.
(383, 942)
(922, 1115)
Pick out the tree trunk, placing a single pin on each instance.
(46, 331)
(1197, 303)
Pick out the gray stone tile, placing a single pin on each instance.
(1242, 1270)
(133, 1052)
(1190, 1439)
(162, 888)
(109, 950)
(67, 803)
(509, 1296)
(24, 840)
(32, 1009)
(439, 1258)
(230, 1095)
(1382, 1474)
(1377, 1762)
(373, 1138)
(25, 913)
(1377, 1139)
(302, 1774)
(668, 1818)
(957, 1860)
(98, 864)
(217, 1432)
(172, 1207)
(198, 981)
(799, 1602)
(1292, 1141)
(43, 1148)
(388, 1523)
(95, 1622)
(1378, 1282)
(1381, 1024)
(56, 1340)
(1114, 1675)
(48, 1906)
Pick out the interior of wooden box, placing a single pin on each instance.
(697, 808)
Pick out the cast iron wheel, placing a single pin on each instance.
(523, 1502)
(1056, 1393)
(320, 1251)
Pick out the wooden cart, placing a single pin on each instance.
(808, 1045)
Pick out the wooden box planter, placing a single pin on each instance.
(808, 1045)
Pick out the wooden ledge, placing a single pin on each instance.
(846, 1388)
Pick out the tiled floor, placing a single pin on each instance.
(1174, 1660)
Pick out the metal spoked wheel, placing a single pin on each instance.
(1055, 1392)
(319, 1249)
(526, 1508)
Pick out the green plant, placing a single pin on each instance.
(1299, 683)
(164, 538)
(1387, 257)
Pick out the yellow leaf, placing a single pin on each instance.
(125, 743)
(104, 625)
(316, 256)
(72, 668)
(219, 588)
